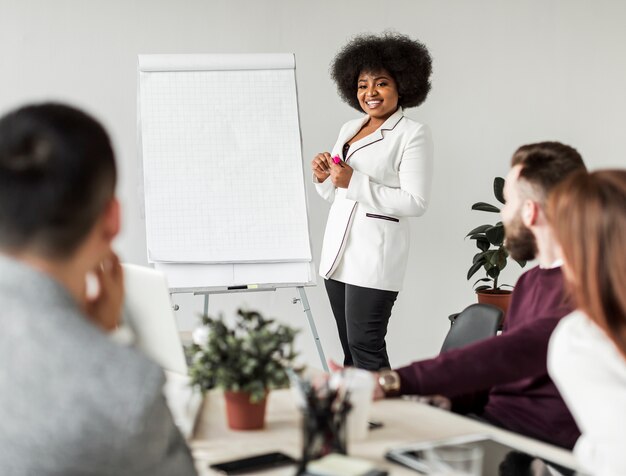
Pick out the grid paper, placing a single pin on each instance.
(223, 167)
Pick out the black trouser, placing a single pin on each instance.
(362, 315)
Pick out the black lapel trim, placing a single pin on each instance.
(377, 140)
(345, 233)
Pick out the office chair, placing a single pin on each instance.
(476, 322)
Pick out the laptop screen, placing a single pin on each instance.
(150, 316)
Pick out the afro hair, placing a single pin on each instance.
(407, 60)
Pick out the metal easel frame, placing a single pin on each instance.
(302, 299)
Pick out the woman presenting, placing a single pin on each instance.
(376, 176)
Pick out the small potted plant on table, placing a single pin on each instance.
(492, 255)
(246, 360)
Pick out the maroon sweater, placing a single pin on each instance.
(510, 368)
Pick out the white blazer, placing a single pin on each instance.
(366, 242)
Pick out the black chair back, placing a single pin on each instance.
(476, 322)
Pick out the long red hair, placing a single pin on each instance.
(588, 215)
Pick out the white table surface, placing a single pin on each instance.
(404, 422)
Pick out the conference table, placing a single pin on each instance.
(404, 421)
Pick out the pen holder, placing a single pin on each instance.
(323, 425)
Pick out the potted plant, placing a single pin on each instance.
(492, 255)
(246, 360)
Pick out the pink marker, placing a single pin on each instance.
(336, 159)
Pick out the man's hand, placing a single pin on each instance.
(334, 366)
(105, 309)
(379, 393)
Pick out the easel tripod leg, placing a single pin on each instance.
(206, 306)
(309, 315)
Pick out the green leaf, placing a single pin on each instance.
(477, 236)
(485, 207)
(482, 280)
(478, 229)
(489, 253)
(500, 258)
(495, 235)
(482, 288)
(521, 262)
(498, 189)
(478, 256)
(483, 243)
(493, 272)
(474, 268)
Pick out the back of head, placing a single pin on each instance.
(544, 165)
(57, 173)
(588, 214)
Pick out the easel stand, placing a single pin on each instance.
(302, 299)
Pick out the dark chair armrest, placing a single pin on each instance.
(452, 317)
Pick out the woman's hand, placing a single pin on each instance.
(105, 308)
(340, 174)
(321, 166)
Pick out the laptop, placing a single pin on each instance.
(149, 316)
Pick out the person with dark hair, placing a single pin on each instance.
(377, 175)
(587, 353)
(72, 401)
(504, 379)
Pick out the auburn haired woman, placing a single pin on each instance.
(587, 356)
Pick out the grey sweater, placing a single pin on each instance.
(72, 402)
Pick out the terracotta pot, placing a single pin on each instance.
(243, 415)
(496, 297)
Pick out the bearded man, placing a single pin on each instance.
(503, 380)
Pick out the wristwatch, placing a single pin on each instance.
(389, 381)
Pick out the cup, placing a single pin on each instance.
(455, 460)
(360, 385)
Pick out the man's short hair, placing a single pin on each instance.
(57, 173)
(546, 164)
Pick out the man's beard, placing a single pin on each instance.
(520, 241)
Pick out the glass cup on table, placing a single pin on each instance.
(360, 387)
(455, 460)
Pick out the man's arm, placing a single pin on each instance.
(514, 355)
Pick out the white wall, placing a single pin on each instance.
(505, 73)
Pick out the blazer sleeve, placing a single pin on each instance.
(325, 189)
(415, 173)
(498, 360)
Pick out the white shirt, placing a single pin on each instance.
(590, 373)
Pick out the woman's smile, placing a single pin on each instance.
(377, 93)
